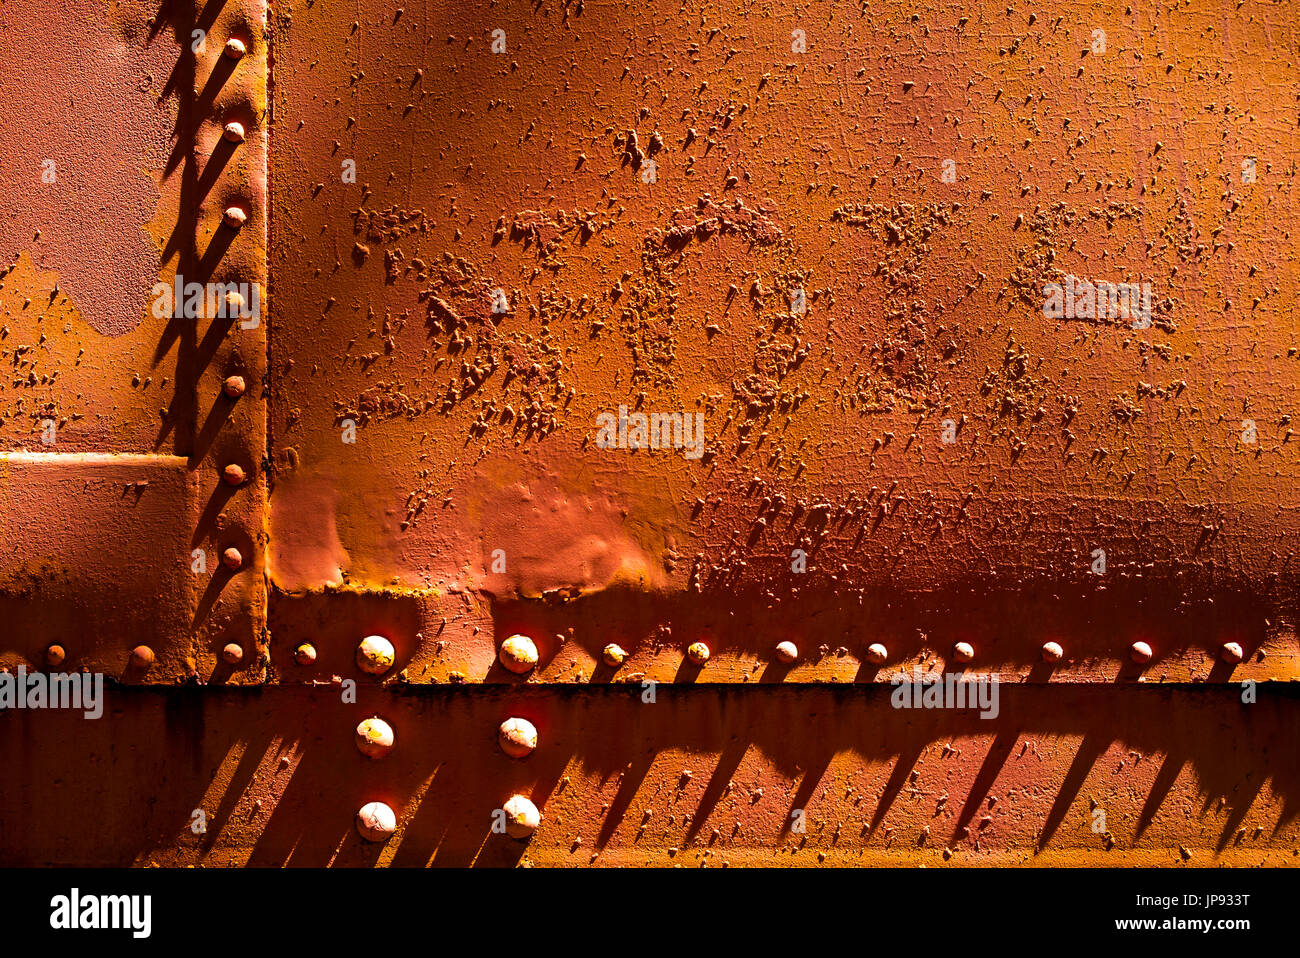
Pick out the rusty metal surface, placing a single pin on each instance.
(826, 230)
(114, 429)
(777, 171)
(703, 777)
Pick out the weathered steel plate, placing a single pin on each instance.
(859, 322)
(120, 163)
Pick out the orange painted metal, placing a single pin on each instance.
(704, 777)
(114, 430)
(485, 241)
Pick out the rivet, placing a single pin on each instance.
(518, 654)
(374, 738)
(232, 559)
(233, 653)
(233, 386)
(522, 817)
(235, 217)
(698, 653)
(305, 654)
(786, 652)
(233, 474)
(1052, 652)
(376, 822)
(375, 655)
(963, 652)
(1140, 652)
(142, 657)
(517, 737)
(876, 653)
(234, 303)
(55, 656)
(613, 655)
(1231, 652)
(235, 48)
(234, 132)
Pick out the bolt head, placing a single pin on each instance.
(786, 653)
(517, 737)
(375, 655)
(233, 386)
(305, 654)
(142, 657)
(234, 132)
(963, 652)
(698, 653)
(1140, 652)
(522, 817)
(518, 654)
(613, 656)
(1231, 653)
(234, 217)
(233, 653)
(376, 822)
(232, 559)
(55, 656)
(876, 653)
(235, 48)
(233, 474)
(1052, 652)
(374, 738)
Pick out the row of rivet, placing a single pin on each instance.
(517, 737)
(234, 386)
(518, 654)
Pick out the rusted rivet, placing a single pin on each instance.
(517, 737)
(232, 559)
(786, 652)
(233, 653)
(375, 655)
(376, 822)
(233, 474)
(55, 656)
(234, 303)
(876, 653)
(1140, 652)
(235, 48)
(613, 655)
(963, 652)
(234, 132)
(233, 386)
(142, 657)
(1231, 652)
(698, 653)
(305, 654)
(522, 817)
(1052, 651)
(235, 217)
(518, 654)
(374, 738)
